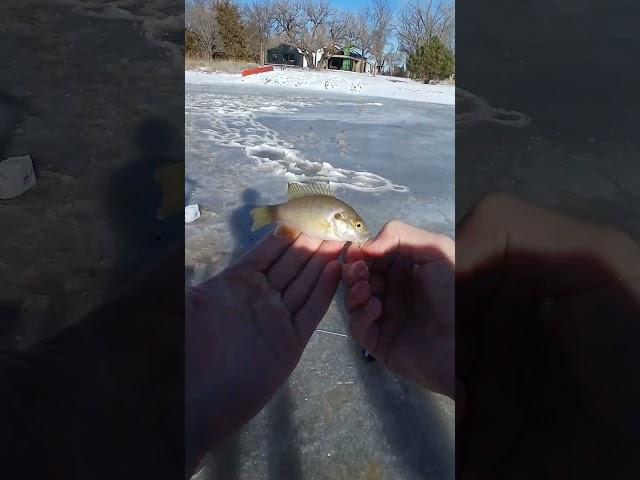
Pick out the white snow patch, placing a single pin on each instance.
(232, 122)
(478, 109)
(289, 163)
(335, 81)
(191, 213)
(16, 176)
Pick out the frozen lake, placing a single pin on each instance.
(388, 158)
(338, 416)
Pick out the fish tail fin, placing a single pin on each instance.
(261, 217)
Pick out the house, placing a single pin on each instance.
(347, 59)
(344, 58)
(285, 54)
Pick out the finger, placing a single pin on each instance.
(314, 309)
(420, 245)
(358, 295)
(353, 253)
(265, 252)
(297, 292)
(562, 254)
(362, 324)
(354, 272)
(292, 261)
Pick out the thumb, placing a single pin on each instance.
(400, 238)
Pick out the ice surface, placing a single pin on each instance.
(158, 26)
(393, 160)
(88, 159)
(338, 417)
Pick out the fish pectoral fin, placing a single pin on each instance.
(328, 227)
(282, 231)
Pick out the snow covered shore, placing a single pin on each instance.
(335, 81)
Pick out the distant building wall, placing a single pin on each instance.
(285, 54)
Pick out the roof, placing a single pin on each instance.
(288, 46)
(352, 54)
(356, 55)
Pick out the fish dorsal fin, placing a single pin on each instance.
(295, 190)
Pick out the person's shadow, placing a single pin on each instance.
(134, 199)
(410, 420)
(190, 186)
(241, 222)
(12, 112)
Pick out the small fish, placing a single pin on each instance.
(314, 210)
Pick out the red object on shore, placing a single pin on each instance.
(252, 71)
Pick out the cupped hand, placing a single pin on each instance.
(400, 298)
(247, 328)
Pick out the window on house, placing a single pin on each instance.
(275, 55)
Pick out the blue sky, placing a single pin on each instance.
(355, 5)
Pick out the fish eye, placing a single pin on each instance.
(358, 225)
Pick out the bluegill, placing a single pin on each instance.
(314, 210)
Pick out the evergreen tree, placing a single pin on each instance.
(232, 32)
(431, 61)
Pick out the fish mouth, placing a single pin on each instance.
(361, 243)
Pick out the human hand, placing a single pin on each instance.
(547, 337)
(400, 298)
(247, 328)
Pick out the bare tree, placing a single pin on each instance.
(312, 26)
(382, 17)
(336, 30)
(421, 20)
(315, 18)
(449, 33)
(260, 18)
(200, 19)
(288, 23)
(358, 31)
(287, 18)
(350, 34)
(392, 59)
